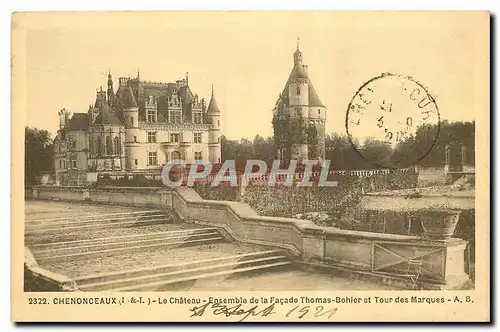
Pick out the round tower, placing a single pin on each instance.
(131, 118)
(214, 145)
(298, 96)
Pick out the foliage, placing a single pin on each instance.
(339, 150)
(38, 154)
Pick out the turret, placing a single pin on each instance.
(111, 93)
(131, 116)
(100, 98)
(214, 146)
(64, 117)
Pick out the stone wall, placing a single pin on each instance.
(37, 279)
(387, 256)
(137, 196)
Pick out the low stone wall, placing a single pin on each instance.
(137, 196)
(429, 264)
(423, 263)
(37, 279)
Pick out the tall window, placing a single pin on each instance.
(197, 137)
(108, 145)
(99, 146)
(175, 116)
(151, 115)
(91, 146)
(117, 147)
(197, 156)
(152, 158)
(151, 137)
(175, 138)
(298, 91)
(131, 121)
(197, 118)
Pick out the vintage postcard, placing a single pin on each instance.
(251, 166)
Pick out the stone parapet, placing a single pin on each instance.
(418, 262)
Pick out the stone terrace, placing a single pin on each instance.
(279, 277)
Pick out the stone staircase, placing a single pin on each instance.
(71, 250)
(90, 222)
(141, 251)
(154, 278)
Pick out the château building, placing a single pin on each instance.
(299, 117)
(140, 126)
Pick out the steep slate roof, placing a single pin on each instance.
(107, 117)
(212, 106)
(128, 98)
(79, 121)
(299, 71)
(314, 100)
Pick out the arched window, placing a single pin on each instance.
(298, 91)
(99, 146)
(117, 149)
(108, 145)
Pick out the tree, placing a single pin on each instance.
(38, 154)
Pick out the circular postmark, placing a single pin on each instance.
(392, 121)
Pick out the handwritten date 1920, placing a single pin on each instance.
(239, 311)
(319, 311)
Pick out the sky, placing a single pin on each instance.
(248, 56)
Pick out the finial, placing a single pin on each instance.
(101, 88)
(109, 73)
(138, 74)
(298, 42)
(212, 89)
(187, 78)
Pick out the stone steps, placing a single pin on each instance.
(98, 216)
(151, 278)
(76, 220)
(106, 240)
(30, 231)
(72, 248)
(123, 246)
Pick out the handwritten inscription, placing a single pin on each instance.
(242, 312)
(237, 310)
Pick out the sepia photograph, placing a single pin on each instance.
(319, 158)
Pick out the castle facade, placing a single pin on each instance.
(140, 126)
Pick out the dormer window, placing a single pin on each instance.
(152, 115)
(197, 118)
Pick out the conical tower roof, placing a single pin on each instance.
(128, 98)
(212, 106)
